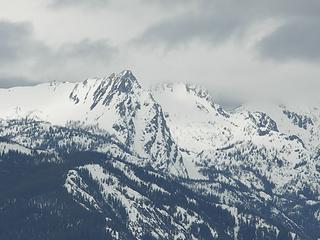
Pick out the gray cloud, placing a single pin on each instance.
(94, 50)
(88, 3)
(16, 41)
(204, 20)
(12, 81)
(294, 40)
(188, 27)
(68, 52)
(22, 52)
(214, 22)
(105, 3)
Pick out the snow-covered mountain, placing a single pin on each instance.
(116, 104)
(272, 149)
(156, 160)
(207, 135)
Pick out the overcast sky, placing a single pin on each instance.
(234, 48)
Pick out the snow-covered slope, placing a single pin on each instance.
(258, 149)
(196, 122)
(8, 146)
(302, 121)
(208, 135)
(116, 104)
(272, 150)
(153, 208)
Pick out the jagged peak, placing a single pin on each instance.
(127, 74)
(123, 82)
(124, 76)
(126, 81)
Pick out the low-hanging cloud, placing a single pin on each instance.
(222, 45)
(8, 81)
(21, 51)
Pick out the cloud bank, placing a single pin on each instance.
(261, 48)
(21, 50)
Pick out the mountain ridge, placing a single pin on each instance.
(256, 160)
